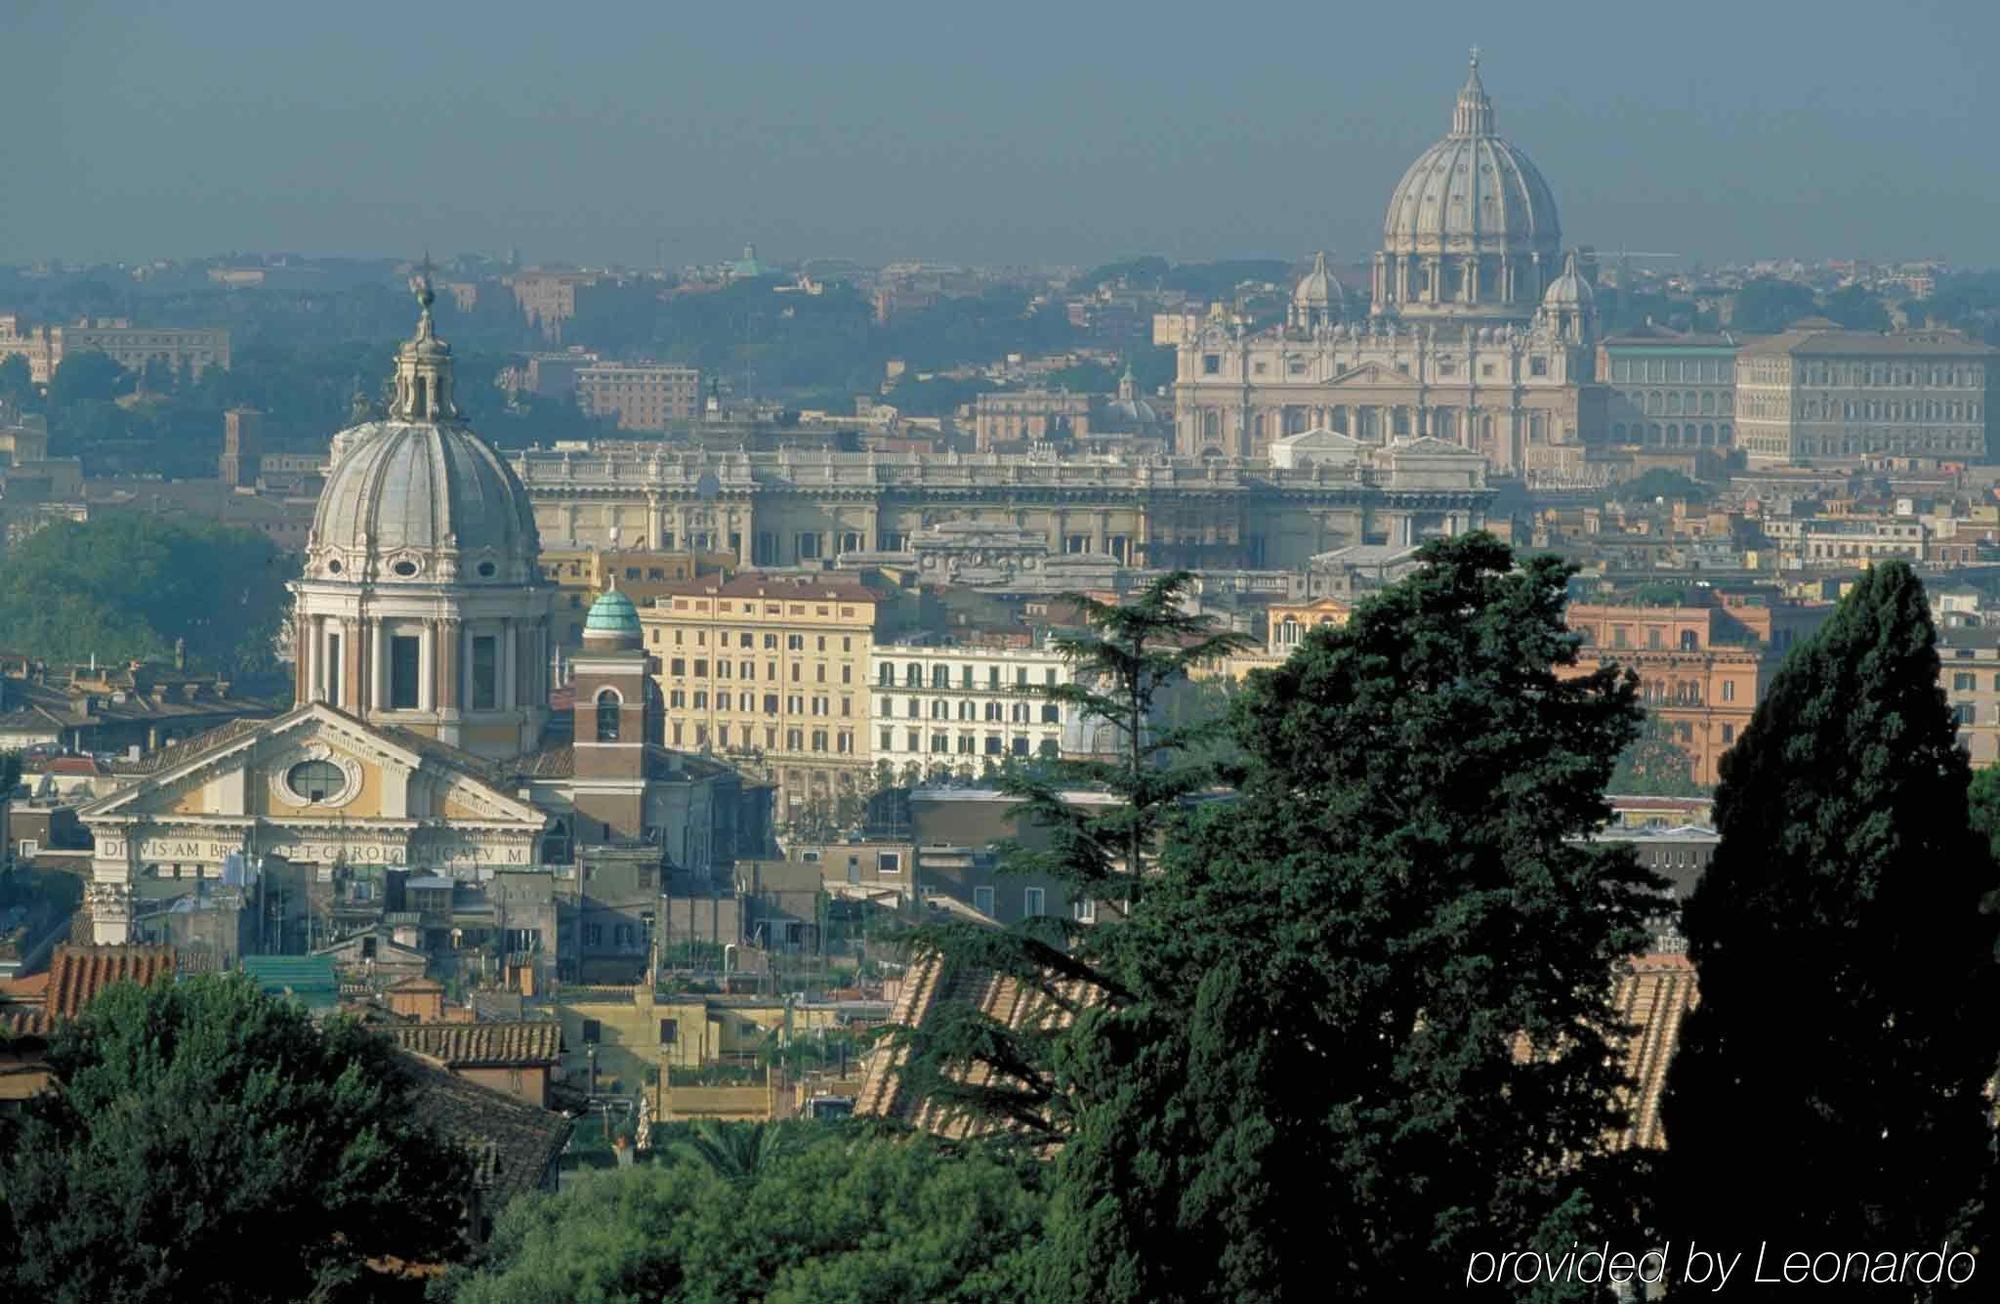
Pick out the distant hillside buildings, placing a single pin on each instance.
(178, 348)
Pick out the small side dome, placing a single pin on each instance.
(613, 622)
(1317, 300)
(1571, 289)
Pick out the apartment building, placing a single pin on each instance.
(940, 711)
(1702, 666)
(1969, 672)
(639, 395)
(1017, 415)
(1831, 397)
(771, 670)
(178, 348)
(1822, 542)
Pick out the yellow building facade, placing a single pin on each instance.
(770, 670)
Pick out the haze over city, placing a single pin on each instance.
(1027, 133)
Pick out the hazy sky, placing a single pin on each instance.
(604, 131)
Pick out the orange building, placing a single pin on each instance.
(1702, 666)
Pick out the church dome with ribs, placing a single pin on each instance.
(417, 497)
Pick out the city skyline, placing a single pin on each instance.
(1069, 138)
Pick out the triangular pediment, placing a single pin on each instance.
(1370, 373)
(315, 764)
(1430, 446)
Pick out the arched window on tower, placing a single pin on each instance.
(608, 710)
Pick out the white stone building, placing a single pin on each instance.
(957, 710)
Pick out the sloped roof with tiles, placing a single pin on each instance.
(1653, 997)
(523, 1043)
(78, 973)
(513, 1145)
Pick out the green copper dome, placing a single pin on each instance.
(612, 616)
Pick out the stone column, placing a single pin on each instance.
(427, 662)
(378, 666)
(307, 654)
(451, 666)
(508, 694)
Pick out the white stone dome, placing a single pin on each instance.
(1472, 192)
(1471, 233)
(1571, 289)
(422, 502)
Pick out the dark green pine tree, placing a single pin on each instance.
(1829, 1090)
(206, 1141)
(1126, 657)
(1313, 1089)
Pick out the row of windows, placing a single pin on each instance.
(1712, 371)
(746, 639)
(1890, 441)
(1033, 903)
(1014, 712)
(1813, 409)
(966, 743)
(835, 742)
(678, 668)
(1674, 403)
(940, 676)
(794, 704)
(1705, 435)
(1965, 681)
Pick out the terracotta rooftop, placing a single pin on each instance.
(482, 1045)
(78, 973)
(513, 1144)
(1654, 996)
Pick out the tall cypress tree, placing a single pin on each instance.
(1829, 1090)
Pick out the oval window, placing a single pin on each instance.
(485, 570)
(315, 780)
(333, 567)
(405, 568)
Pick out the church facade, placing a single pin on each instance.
(1480, 332)
(422, 784)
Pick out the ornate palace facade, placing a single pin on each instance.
(786, 509)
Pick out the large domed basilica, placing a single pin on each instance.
(1479, 330)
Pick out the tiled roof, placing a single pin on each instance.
(189, 748)
(23, 1021)
(1868, 344)
(930, 985)
(482, 1045)
(513, 1144)
(1654, 995)
(78, 973)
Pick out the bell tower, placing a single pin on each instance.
(616, 718)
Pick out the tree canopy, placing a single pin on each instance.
(206, 1141)
(1655, 765)
(1837, 1065)
(126, 585)
(836, 1214)
(1312, 1088)
(1767, 305)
